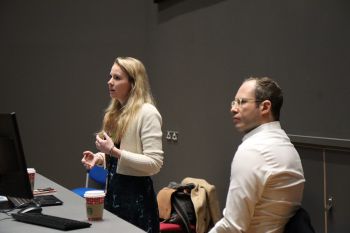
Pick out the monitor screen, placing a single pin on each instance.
(14, 180)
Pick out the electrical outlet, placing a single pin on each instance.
(175, 136)
(168, 135)
(172, 136)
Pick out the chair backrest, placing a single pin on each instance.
(98, 174)
(299, 223)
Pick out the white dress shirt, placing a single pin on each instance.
(266, 184)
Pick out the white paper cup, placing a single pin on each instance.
(94, 204)
(31, 174)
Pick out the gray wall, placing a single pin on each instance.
(55, 61)
(203, 50)
(55, 57)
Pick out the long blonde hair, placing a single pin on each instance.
(117, 117)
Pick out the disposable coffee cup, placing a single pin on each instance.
(31, 174)
(94, 204)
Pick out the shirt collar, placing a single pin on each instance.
(263, 127)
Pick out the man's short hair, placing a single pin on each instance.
(268, 89)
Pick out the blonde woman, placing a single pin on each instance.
(130, 145)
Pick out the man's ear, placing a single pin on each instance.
(265, 107)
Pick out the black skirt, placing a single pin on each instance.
(133, 199)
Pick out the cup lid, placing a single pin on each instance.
(94, 193)
(30, 169)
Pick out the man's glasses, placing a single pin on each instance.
(241, 101)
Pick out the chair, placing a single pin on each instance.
(173, 228)
(98, 175)
(204, 201)
(165, 207)
(299, 223)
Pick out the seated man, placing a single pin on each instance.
(267, 180)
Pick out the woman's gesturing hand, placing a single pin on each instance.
(105, 144)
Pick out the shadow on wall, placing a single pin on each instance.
(169, 9)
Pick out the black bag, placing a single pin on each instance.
(300, 222)
(183, 212)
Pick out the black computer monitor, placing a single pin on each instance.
(14, 179)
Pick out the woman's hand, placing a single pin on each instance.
(104, 145)
(89, 159)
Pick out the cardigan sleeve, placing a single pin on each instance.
(150, 160)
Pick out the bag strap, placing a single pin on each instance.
(182, 214)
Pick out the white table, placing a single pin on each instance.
(74, 208)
